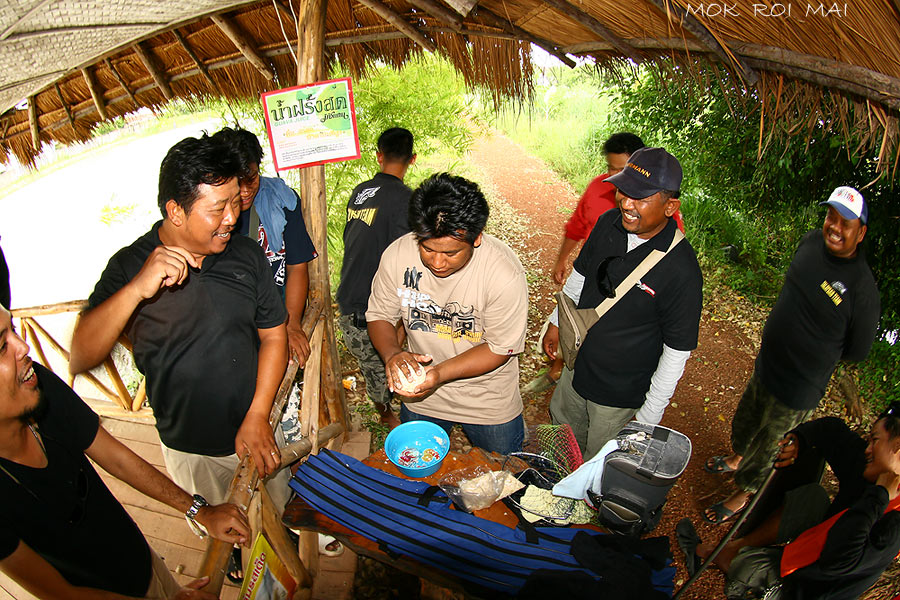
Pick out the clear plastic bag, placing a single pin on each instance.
(475, 488)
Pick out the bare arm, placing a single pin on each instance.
(99, 328)
(30, 570)
(225, 522)
(255, 435)
(559, 269)
(296, 290)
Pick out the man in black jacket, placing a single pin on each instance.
(842, 545)
(827, 312)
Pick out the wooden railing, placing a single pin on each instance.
(33, 333)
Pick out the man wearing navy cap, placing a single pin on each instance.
(632, 358)
(827, 311)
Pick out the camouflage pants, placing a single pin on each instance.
(759, 423)
(360, 346)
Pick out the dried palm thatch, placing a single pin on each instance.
(81, 61)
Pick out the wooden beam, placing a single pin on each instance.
(120, 79)
(437, 10)
(501, 23)
(33, 123)
(200, 66)
(96, 93)
(64, 105)
(595, 26)
(338, 40)
(237, 37)
(705, 37)
(159, 77)
(75, 29)
(640, 43)
(399, 23)
(463, 7)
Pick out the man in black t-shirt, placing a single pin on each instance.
(632, 358)
(827, 311)
(271, 215)
(62, 533)
(376, 216)
(206, 323)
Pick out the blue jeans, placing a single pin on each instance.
(503, 438)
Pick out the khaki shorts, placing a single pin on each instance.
(162, 584)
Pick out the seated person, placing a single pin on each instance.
(62, 533)
(462, 298)
(843, 545)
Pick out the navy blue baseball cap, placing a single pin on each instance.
(648, 170)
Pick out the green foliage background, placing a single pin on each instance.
(733, 204)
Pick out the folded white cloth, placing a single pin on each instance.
(585, 477)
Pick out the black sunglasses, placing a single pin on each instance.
(604, 284)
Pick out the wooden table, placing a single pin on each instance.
(299, 515)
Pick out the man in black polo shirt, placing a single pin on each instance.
(633, 357)
(206, 322)
(376, 216)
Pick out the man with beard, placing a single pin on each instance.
(62, 533)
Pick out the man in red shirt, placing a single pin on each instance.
(598, 198)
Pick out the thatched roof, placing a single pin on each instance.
(81, 61)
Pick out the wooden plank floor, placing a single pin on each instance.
(167, 532)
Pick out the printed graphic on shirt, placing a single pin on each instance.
(365, 194)
(274, 258)
(411, 278)
(834, 290)
(452, 322)
(366, 215)
(644, 287)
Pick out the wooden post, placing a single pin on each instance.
(310, 68)
(96, 93)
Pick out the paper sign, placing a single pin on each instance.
(311, 124)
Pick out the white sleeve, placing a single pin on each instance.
(572, 289)
(662, 385)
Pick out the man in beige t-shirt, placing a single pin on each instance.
(463, 300)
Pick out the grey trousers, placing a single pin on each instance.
(592, 423)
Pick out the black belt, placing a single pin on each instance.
(358, 320)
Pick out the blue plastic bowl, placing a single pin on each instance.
(417, 448)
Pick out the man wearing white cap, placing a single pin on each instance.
(827, 311)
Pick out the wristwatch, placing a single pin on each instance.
(191, 514)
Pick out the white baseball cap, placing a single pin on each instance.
(849, 203)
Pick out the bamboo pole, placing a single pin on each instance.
(65, 354)
(112, 68)
(96, 92)
(124, 398)
(439, 12)
(200, 66)
(158, 76)
(501, 23)
(50, 309)
(400, 24)
(36, 342)
(594, 25)
(65, 106)
(140, 396)
(240, 41)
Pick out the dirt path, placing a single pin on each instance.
(716, 372)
